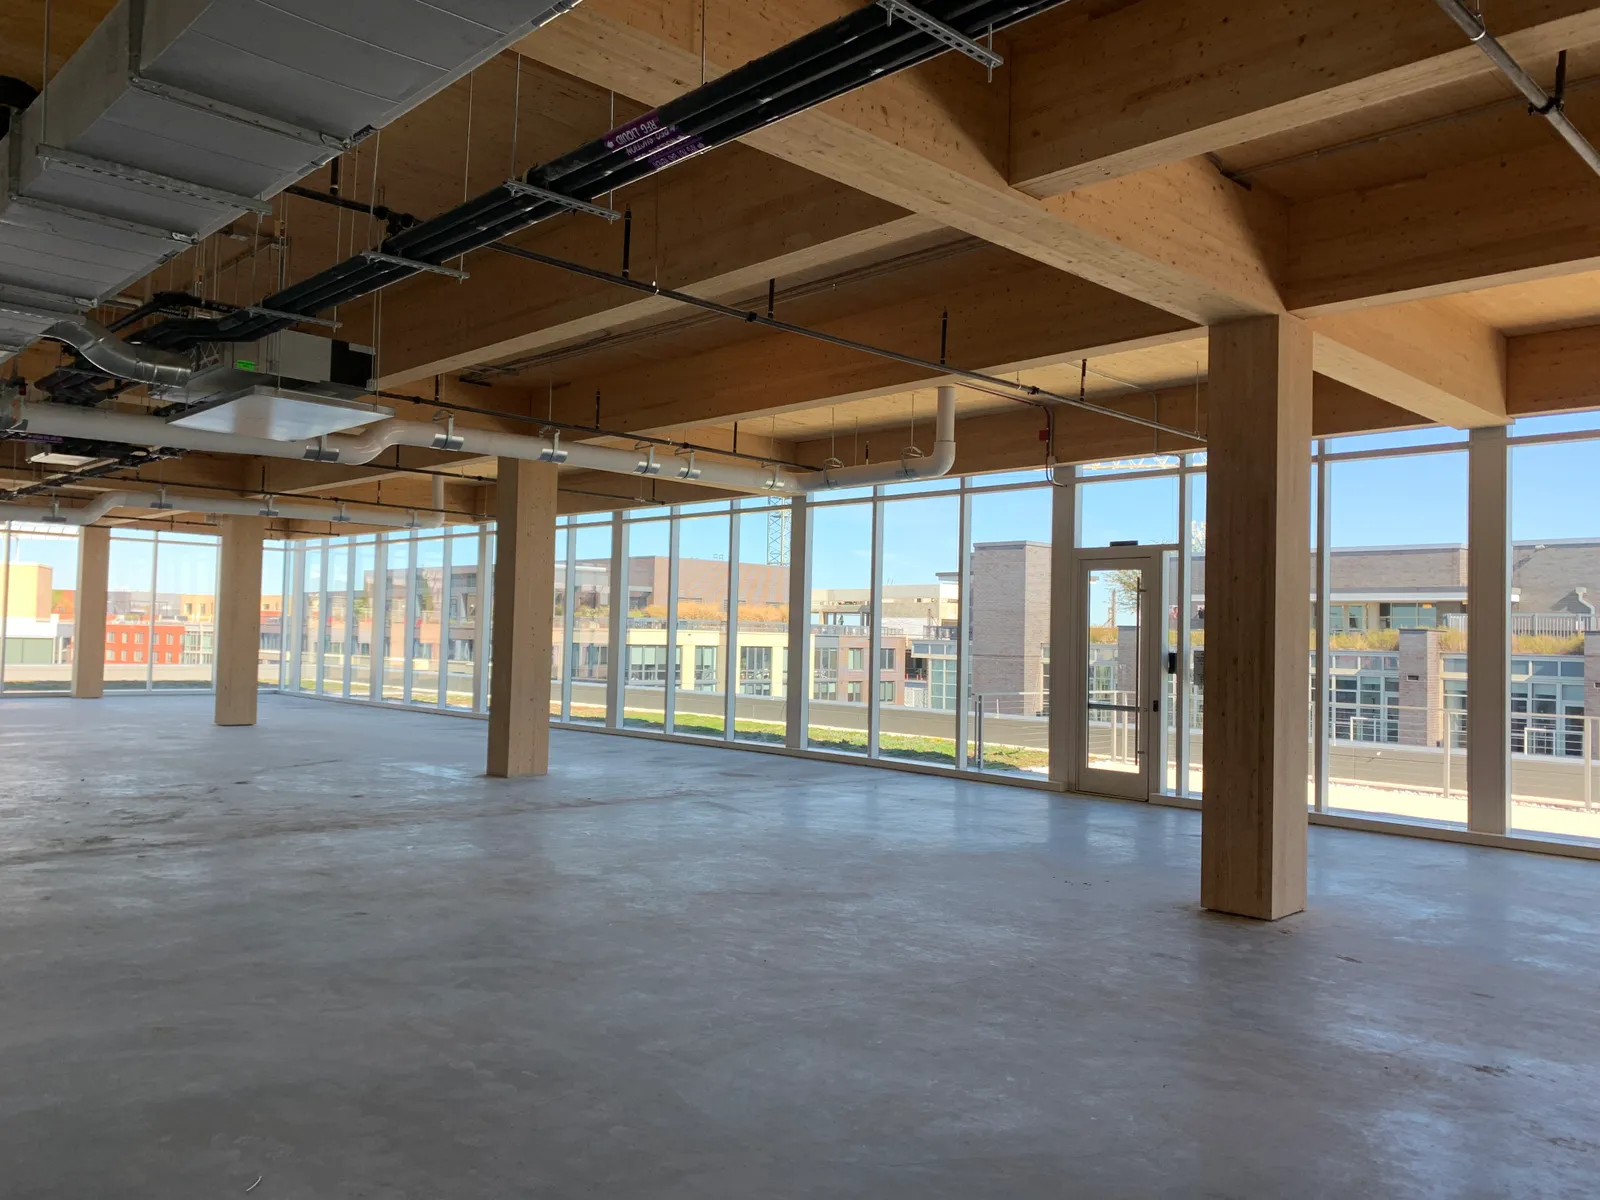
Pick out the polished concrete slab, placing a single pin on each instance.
(326, 958)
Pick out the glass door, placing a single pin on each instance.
(1119, 700)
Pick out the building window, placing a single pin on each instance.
(886, 691)
(1407, 616)
(852, 692)
(886, 659)
(755, 670)
(858, 658)
(647, 665)
(825, 662)
(825, 691)
(705, 668)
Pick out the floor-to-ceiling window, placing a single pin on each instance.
(183, 636)
(38, 588)
(462, 630)
(839, 625)
(1555, 630)
(1396, 637)
(1007, 606)
(646, 664)
(426, 629)
(275, 559)
(700, 701)
(362, 623)
(918, 622)
(589, 649)
(761, 622)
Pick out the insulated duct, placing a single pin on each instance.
(236, 506)
(177, 117)
(134, 429)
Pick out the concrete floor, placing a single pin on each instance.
(326, 954)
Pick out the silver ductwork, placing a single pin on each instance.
(177, 117)
(98, 345)
(236, 506)
(68, 421)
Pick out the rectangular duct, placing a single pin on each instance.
(176, 117)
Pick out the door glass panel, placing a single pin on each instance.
(1113, 705)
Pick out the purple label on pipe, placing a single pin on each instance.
(657, 145)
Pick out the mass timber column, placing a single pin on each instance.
(1489, 631)
(524, 589)
(239, 619)
(89, 613)
(1258, 614)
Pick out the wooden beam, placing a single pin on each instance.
(238, 619)
(1427, 356)
(1258, 579)
(1507, 219)
(89, 614)
(524, 590)
(933, 141)
(1100, 91)
(720, 228)
(1006, 314)
(1549, 372)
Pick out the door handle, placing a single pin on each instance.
(1155, 705)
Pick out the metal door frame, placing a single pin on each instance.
(1147, 782)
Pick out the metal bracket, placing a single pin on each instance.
(318, 451)
(84, 214)
(332, 143)
(937, 29)
(555, 454)
(517, 188)
(394, 260)
(648, 464)
(281, 314)
(449, 439)
(689, 471)
(151, 179)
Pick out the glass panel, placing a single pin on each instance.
(1009, 607)
(185, 631)
(1397, 571)
(702, 650)
(1431, 435)
(129, 604)
(918, 626)
(591, 623)
(1578, 422)
(310, 616)
(461, 621)
(1112, 707)
(269, 663)
(558, 627)
(1196, 699)
(762, 643)
(37, 593)
(426, 658)
(841, 599)
(336, 623)
(1144, 511)
(1555, 639)
(396, 637)
(646, 681)
(364, 581)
